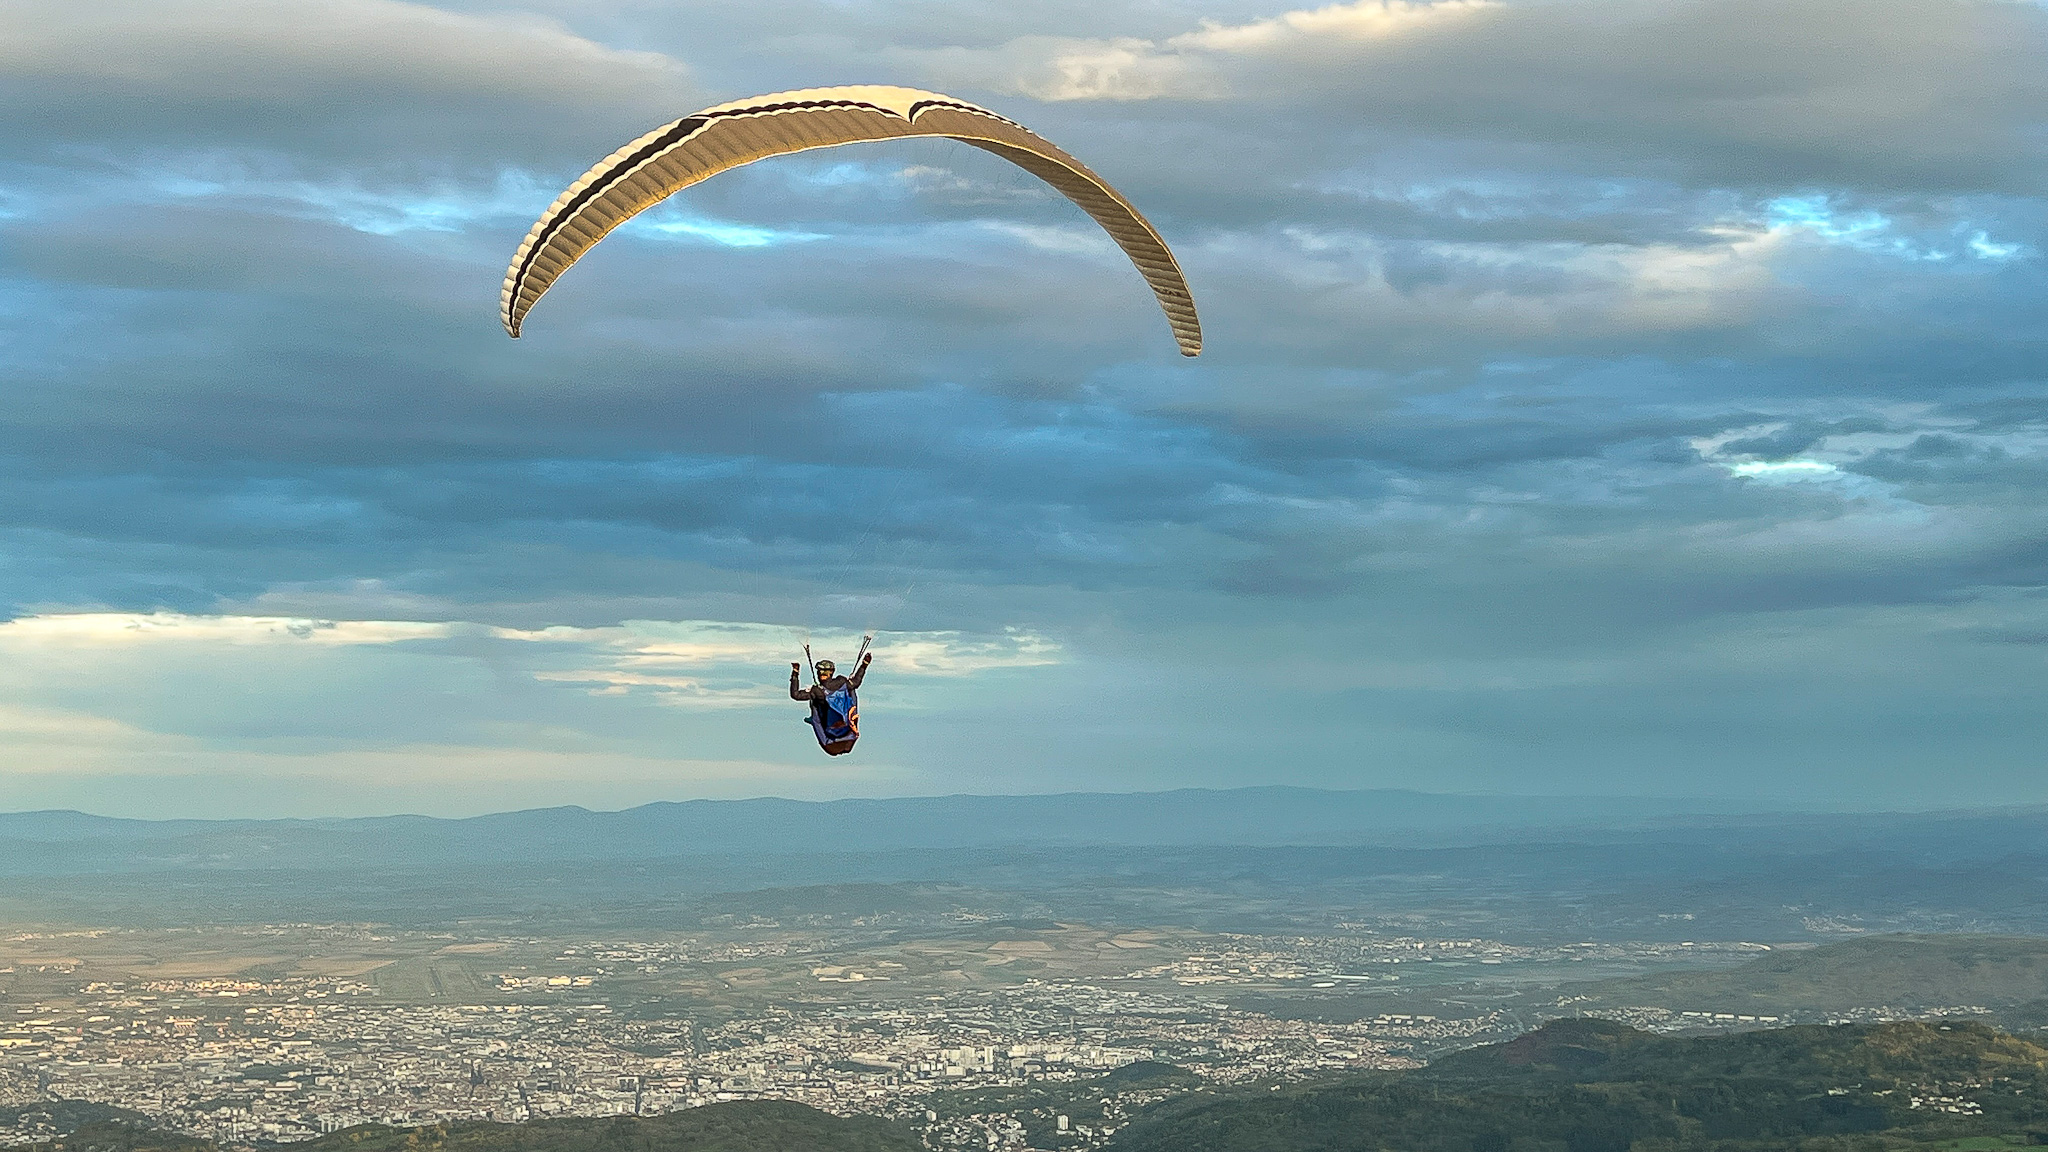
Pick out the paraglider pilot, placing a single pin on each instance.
(835, 711)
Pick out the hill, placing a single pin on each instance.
(1597, 1086)
(1257, 859)
(739, 1126)
(58, 843)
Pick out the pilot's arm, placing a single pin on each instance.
(796, 692)
(866, 659)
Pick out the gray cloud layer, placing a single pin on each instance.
(1638, 397)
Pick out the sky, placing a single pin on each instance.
(1600, 397)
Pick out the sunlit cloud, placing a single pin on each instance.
(691, 642)
(1361, 20)
(121, 629)
(1190, 65)
(1984, 247)
(1818, 215)
(700, 662)
(1867, 230)
(720, 663)
(430, 708)
(674, 225)
(1784, 470)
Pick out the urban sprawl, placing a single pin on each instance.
(241, 1060)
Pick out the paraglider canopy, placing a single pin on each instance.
(703, 144)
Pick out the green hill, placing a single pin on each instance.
(739, 1126)
(1597, 1086)
(79, 1126)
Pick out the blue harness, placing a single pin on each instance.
(836, 720)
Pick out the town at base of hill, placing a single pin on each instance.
(1580, 1085)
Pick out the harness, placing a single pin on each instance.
(835, 720)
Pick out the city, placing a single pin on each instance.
(528, 1028)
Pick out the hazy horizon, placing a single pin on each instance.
(1612, 804)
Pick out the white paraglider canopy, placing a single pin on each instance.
(701, 145)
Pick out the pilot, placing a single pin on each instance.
(835, 706)
(829, 680)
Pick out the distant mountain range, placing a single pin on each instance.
(65, 842)
(37, 842)
(1244, 859)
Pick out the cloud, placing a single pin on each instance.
(670, 223)
(1818, 91)
(1785, 470)
(632, 648)
(435, 711)
(49, 729)
(1192, 65)
(109, 629)
(379, 80)
(727, 664)
(1569, 364)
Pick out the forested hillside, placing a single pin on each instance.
(739, 1126)
(1596, 1086)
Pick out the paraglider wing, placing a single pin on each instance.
(699, 146)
